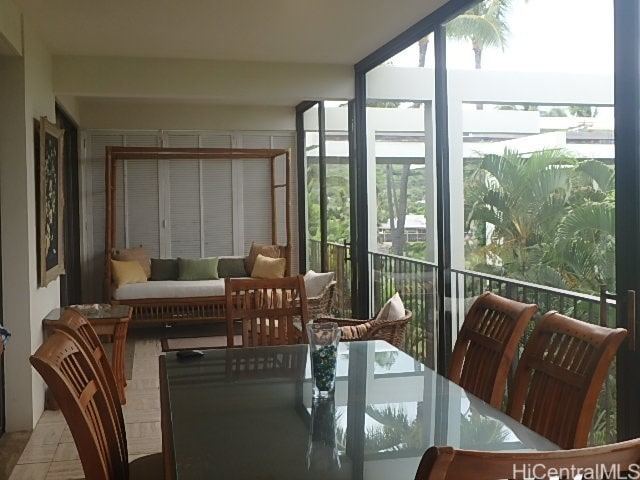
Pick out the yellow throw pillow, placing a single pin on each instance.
(129, 271)
(138, 254)
(266, 267)
(272, 251)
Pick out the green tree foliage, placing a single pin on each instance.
(551, 218)
(584, 244)
(484, 25)
(338, 202)
(520, 197)
(400, 191)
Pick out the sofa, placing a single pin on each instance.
(170, 291)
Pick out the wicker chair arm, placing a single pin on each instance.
(321, 304)
(392, 331)
(342, 322)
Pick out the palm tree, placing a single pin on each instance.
(584, 247)
(484, 25)
(423, 44)
(524, 198)
(397, 205)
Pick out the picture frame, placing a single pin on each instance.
(49, 152)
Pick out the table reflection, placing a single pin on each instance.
(256, 411)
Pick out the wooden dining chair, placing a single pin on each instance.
(559, 377)
(486, 344)
(447, 463)
(268, 310)
(78, 389)
(73, 323)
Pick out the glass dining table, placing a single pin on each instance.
(248, 413)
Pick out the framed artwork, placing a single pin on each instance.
(50, 218)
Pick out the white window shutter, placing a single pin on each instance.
(209, 140)
(142, 209)
(217, 197)
(185, 206)
(184, 140)
(139, 223)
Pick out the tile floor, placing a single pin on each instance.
(50, 453)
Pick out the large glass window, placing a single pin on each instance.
(531, 141)
(326, 156)
(531, 159)
(312, 164)
(401, 180)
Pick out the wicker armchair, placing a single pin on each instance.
(320, 306)
(393, 331)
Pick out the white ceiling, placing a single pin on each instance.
(315, 31)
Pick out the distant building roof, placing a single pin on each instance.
(411, 221)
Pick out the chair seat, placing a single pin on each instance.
(149, 467)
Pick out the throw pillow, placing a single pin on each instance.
(139, 254)
(354, 332)
(316, 282)
(392, 310)
(164, 269)
(128, 271)
(266, 267)
(271, 251)
(198, 269)
(231, 267)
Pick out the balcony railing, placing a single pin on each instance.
(416, 282)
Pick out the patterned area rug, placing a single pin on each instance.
(197, 343)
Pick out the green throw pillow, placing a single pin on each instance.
(164, 269)
(231, 267)
(200, 269)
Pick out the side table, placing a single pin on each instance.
(105, 319)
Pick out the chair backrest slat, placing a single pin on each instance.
(559, 377)
(486, 344)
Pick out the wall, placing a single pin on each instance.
(10, 29)
(26, 93)
(223, 82)
(137, 115)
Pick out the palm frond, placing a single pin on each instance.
(600, 173)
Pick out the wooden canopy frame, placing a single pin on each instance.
(115, 154)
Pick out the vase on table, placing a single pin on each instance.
(323, 349)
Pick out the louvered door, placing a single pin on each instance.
(188, 208)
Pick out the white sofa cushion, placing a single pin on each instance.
(170, 289)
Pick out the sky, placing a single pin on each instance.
(546, 35)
